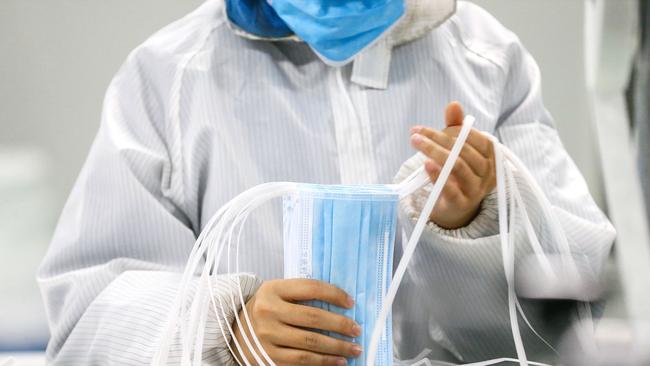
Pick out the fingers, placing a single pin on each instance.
(476, 139)
(315, 342)
(451, 192)
(296, 357)
(311, 317)
(305, 290)
(280, 324)
(439, 154)
(477, 162)
(454, 114)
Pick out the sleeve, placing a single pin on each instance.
(116, 257)
(461, 270)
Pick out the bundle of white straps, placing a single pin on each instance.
(221, 237)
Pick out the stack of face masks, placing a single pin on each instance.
(343, 235)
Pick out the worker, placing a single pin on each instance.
(242, 92)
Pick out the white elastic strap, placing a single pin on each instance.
(486, 363)
(233, 219)
(557, 233)
(500, 360)
(415, 238)
(416, 180)
(261, 198)
(216, 259)
(273, 190)
(160, 358)
(530, 231)
(217, 233)
(537, 248)
(507, 253)
(530, 326)
(214, 256)
(243, 304)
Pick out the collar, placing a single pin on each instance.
(371, 67)
(422, 16)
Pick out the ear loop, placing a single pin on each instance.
(240, 219)
(175, 314)
(415, 236)
(507, 248)
(211, 242)
(504, 175)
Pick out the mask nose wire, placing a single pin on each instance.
(415, 182)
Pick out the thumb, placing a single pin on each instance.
(454, 115)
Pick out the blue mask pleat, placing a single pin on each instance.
(362, 274)
(385, 350)
(327, 242)
(346, 218)
(374, 247)
(318, 233)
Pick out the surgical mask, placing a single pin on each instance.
(257, 17)
(339, 30)
(343, 235)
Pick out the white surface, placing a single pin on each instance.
(22, 359)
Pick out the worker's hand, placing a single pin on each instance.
(473, 176)
(285, 329)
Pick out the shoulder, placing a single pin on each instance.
(150, 79)
(161, 56)
(146, 88)
(483, 35)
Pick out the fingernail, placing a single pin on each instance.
(356, 330)
(350, 302)
(416, 139)
(341, 362)
(430, 166)
(356, 351)
(416, 129)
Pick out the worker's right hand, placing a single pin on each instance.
(286, 329)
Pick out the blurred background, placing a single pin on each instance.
(57, 58)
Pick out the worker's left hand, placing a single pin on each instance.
(473, 176)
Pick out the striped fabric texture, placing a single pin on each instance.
(198, 114)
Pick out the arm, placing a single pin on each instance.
(462, 268)
(113, 265)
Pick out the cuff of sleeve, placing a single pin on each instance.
(484, 224)
(224, 288)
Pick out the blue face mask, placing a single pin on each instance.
(338, 30)
(344, 235)
(257, 17)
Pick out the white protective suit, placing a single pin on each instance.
(198, 114)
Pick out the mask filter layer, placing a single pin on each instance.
(344, 235)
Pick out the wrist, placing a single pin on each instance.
(453, 222)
